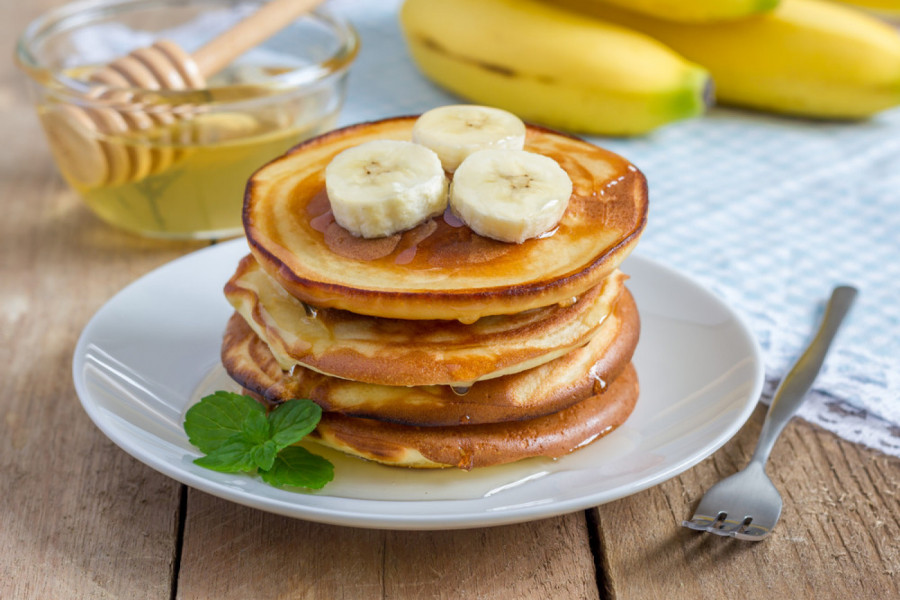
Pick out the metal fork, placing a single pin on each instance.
(747, 505)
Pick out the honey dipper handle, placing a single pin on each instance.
(269, 19)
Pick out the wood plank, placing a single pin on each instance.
(71, 501)
(78, 517)
(838, 537)
(550, 558)
(231, 551)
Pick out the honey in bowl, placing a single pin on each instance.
(180, 179)
(201, 190)
(160, 138)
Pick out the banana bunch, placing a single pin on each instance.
(806, 57)
(383, 187)
(552, 66)
(592, 67)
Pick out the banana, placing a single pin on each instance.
(456, 131)
(695, 11)
(551, 66)
(385, 186)
(510, 195)
(888, 8)
(807, 57)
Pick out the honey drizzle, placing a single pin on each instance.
(321, 222)
(452, 244)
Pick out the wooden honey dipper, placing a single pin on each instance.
(74, 129)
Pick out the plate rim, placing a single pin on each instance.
(409, 521)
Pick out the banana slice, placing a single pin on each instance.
(510, 195)
(385, 186)
(456, 131)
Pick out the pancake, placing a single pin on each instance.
(440, 269)
(539, 391)
(473, 446)
(405, 353)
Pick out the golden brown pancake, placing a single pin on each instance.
(403, 352)
(542, 390)
(471, 446)
(441, 269)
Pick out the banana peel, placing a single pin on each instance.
(808, 58)
(888, 8)
(696, 11)
(552, 66)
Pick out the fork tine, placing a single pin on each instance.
(743, 526)
(745, 529)
(752, 532)
(694, 523)
(704, 520)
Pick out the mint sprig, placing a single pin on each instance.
(236, 435)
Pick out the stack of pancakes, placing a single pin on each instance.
(438, 347)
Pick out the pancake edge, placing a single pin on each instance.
(476, 446)
(488, 400)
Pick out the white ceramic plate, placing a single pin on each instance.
(153, 350)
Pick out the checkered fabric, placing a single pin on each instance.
(767, 212)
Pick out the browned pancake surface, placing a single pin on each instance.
(441, 269)
(538, 391)
(473, 446)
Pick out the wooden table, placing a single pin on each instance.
(79, 518)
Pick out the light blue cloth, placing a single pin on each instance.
(767, 212)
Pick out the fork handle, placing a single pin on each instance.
(795, 385)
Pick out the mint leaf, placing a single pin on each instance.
(293, 420)
(217, 418)
(298, 467)
(240, 453)
(256, 427)
(264, 454)
(235, 455)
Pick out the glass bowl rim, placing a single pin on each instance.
(74, 14)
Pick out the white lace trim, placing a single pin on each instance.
(854, 395)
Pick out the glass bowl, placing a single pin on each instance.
(173, 163)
